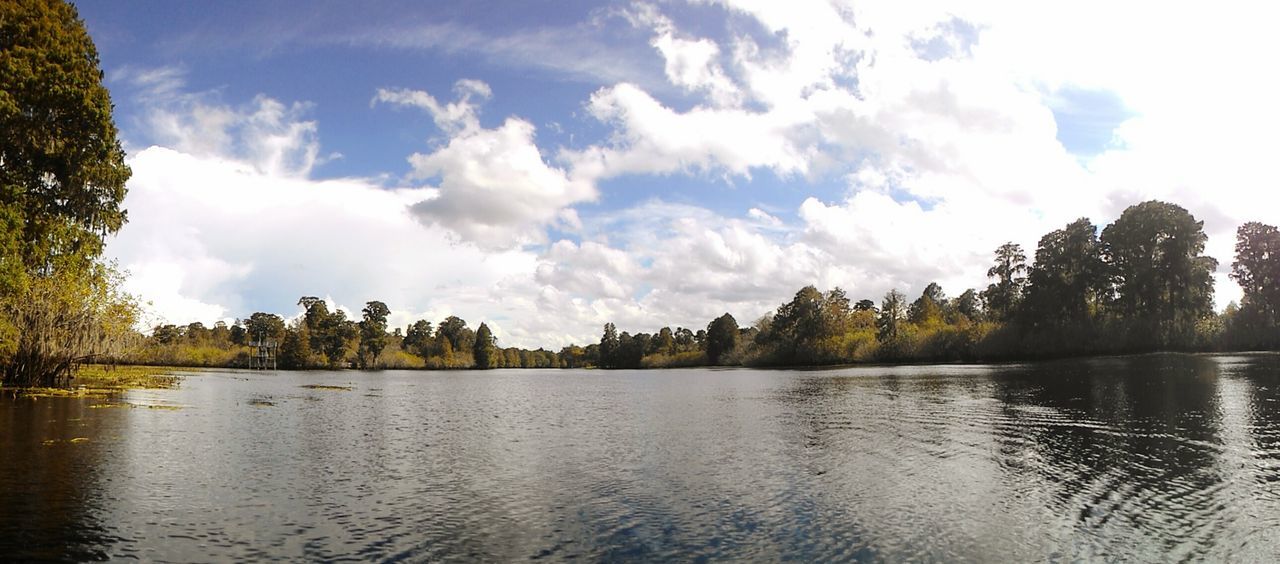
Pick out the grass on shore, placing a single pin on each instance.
(99, 380)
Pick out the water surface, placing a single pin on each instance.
(1151, 458)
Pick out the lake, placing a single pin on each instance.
(1148, 458)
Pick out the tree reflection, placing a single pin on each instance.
(48, 502)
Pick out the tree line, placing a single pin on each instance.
(1140, 284)
(320, 338)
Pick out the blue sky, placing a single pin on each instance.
(554, 165)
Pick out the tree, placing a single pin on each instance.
(927, 309)
(68, 318)
(722, 338)
(485, 348)
(294, 349)
(804, 328)
(1257, 269)
(373, 332)
(1068, 279)
(336, 336)
(1010, 269)
(62, 180)
(314, 321)
(417, 338)
(238, 334)
(265, 326)
(892, 311)
(664, 342)
(969, 305)
(1163, 285)
(609, 347)
(455, 330)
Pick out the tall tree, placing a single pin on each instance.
(265, 326)
(609, 345)
(892, 311)
(802, 327)
(664, 342)
(455, 330)
(927, 309)
(722, 338)
(417, 338)
(485, 348)
(1257, 268)
(1163, 284)
(63, 174)
(295, 351)
(969, 305)
(1068, 279)
(314, 321)
(337, 335)
(62, 180)
(373, 332)
(1010, 271)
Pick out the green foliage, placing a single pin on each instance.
(295, 350)
(1256, 323)
(609, 347)
(1010, 269)
(927, 309)
(373, 332)
(455, 331)
(1164, 287)
(485, 348)
(804, 330)
(64, 318)
(722, 338)
(62, 180)
(418, 338)
(63, 169)
(892, 313)
(263, 326)
(1069, 279)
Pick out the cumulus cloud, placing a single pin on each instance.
(210, 238)
(692, 64)
(494, 188)
(273, 137)
(650, 137)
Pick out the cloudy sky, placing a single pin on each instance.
(548, 166)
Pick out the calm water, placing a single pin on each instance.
(1160, 458)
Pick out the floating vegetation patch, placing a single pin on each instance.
(74, 441)
(326, 387)
(98, 376)
(106, 405)
(81, 392)
(130, 405)
(262, 402)
(165, 407)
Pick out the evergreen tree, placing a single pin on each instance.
(485, 348)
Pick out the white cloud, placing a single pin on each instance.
(495, 189)
(653, 138)
(692, 64)
(214, 238)
(266, 134)
(453, 117)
